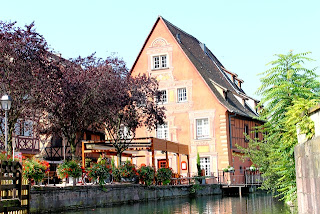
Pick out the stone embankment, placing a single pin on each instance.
(58, 199)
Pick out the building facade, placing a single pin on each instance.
(206, 107)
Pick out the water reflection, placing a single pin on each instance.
(251, 204)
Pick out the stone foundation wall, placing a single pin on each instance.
(307, 158)
(57, 199)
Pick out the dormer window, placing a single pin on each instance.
(160, 62)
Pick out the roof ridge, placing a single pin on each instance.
(179, 29)
(212, 57)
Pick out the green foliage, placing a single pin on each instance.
(164, 175)
(194, 188)
(146, 174)
(198, 164)
(115, 171)
(100, 171)
(69, 169)
(288, 90)
(34, 169)
(228, 169)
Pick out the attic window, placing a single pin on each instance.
(160, 62)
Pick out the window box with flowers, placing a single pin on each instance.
(69, 169)
(228, 169)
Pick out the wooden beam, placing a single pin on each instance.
(83, 155)
(178, 163)
(167, 160)
(152, 152)
(188, 167)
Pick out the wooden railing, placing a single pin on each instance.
(29, 145)
(56, 153)
(246, 179)
(14, 191)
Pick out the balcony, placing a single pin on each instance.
(56, 153)
(26, 145)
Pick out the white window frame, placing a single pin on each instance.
(182, 96)
(205, 163)
(162, 131)
(204, 128)
(24, 128)
(160, 64)
(161, 100)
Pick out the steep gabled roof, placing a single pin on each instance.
(212, 71)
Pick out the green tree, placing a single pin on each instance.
(288, 90)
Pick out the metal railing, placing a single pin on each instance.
(222, 178)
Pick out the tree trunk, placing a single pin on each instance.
(72, 150)
(119, 158)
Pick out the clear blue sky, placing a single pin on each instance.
(244, 35)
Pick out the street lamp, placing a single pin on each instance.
(6, 105)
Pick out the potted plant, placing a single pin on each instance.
(69, 169)
(146, 174)
(128, 172)
(34, 170)
(199, 168)
(252, 168)
(100, 172)
(230, 169)
(164, 175)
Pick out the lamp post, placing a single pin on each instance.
(6, 105)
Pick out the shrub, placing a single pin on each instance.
(146, 174)
(69, 169)
(164, 175)
(34, 169)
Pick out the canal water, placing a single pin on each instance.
(259, 203)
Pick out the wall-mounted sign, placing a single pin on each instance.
(184, 165)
